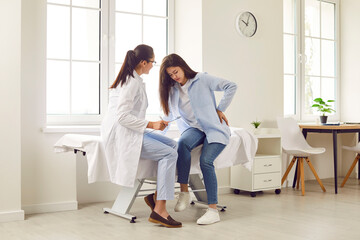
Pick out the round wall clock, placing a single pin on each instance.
(246, 24)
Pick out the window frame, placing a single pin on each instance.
(300, 59)
(107, 62)
(88, 119)
(297, 56)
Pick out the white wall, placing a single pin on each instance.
(188, 32)
(47, 178)
(350, 70)
(10, 140)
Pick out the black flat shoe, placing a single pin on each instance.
(149, 199)
(169, 222)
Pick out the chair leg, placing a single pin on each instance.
(298, 175)
(288, 170)
(315, 174)
(302, 176)
(350, 170)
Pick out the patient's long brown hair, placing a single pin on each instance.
(132, 59)
(166, 82)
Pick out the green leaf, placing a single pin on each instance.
(256, 124)
(322, 106)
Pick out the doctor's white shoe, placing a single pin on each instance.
(211, 216)
(183, 202)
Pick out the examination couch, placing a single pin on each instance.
(240, 150)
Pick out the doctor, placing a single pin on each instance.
(186, 93)
(125, 139)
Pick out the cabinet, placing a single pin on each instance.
(266, 170)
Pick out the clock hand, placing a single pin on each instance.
(244, 22)
(247, 21)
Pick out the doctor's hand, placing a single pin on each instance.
(222, 116)
(159, 125)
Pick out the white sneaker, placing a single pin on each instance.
(211, 216)
(183, 202)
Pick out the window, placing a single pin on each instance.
(310, 56)
(147, 21)
(86, 44)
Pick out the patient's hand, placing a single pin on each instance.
(222, 116)
(159, 125)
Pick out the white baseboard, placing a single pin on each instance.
(12, 216)
(50, 207)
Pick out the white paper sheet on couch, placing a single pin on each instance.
(240, 150)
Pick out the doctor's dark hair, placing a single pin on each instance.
(133, 57)
(166, 82)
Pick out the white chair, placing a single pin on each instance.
(294, 144)
(357, 150)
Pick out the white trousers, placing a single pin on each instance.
(162, 149)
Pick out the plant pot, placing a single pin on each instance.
(323, 119)
(257, 131)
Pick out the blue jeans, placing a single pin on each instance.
(163, 150)
(190, 139)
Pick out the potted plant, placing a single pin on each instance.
(323, 107)
(256, 123)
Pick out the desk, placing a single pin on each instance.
(334, 129)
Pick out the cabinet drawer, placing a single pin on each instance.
(268, 180)
(264, 165)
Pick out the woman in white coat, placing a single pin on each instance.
(126, 140)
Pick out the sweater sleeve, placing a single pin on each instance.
(218, 84)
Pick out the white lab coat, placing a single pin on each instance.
(122, 130)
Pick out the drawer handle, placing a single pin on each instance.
(269, 180)
(268, 165)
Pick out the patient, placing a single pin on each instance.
(190, 95)
(126, 140)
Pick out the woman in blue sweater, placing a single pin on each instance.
(190, 95)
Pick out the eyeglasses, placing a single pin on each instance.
(154, 62)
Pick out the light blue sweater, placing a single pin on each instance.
(203, 103)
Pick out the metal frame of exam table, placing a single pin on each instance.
(126, 197)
